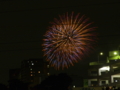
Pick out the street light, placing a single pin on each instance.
(100, 54)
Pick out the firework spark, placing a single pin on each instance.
(68, 40)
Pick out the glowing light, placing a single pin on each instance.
(32, 63)
(73, 86)
(31, 75)
(38, 71)
(101, 53)
(116, 80)
(69, 39)
(47, 66)
(115, 53)
(48, 73)
(115, 67)
(105, 68)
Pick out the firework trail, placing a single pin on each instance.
(68, 40)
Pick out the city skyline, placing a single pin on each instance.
(23, 24)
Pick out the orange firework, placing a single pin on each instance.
(68, 40)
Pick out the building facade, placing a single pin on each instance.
(34, 71)
(105, 73)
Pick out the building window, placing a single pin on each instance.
(48, 73)
(94, 73)
(47, 66)
(93, 83)
(32, 63)
(38, 71)
(116, 80)
(31, 74)
(28, 61)
(73, 86)
(30, 68)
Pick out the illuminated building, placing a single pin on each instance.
(108, 73)
(34, 71)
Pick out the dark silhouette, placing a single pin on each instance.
(55, 82)
(16, 84)
(3, 87)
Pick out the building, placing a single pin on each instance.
(105, 73)
(34, 71)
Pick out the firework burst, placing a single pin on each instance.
(68, 40)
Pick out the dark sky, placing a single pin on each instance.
(23, 24)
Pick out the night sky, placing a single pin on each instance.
(23, 24)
